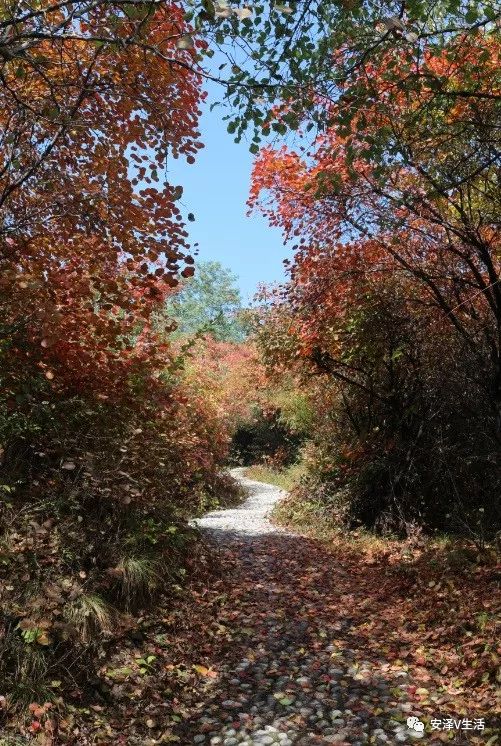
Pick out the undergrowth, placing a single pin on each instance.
(94, 532)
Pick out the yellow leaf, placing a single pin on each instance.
(203, 671)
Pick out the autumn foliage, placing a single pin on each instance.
(94, 100)
(231, 377)
(105, 452)
(378, 362)
(393, 297)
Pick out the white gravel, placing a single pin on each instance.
(251, 517)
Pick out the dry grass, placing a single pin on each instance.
(140, 576)
(90, 614)
(286, 479)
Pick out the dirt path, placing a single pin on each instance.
(296, 674)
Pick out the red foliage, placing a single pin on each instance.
(92, 238)
(360, 216)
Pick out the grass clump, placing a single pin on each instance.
(90, 615)
(286, 478)
(139, 577)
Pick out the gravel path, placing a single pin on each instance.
(250, 519)
(294, 674)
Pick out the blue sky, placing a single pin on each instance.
(216, 188)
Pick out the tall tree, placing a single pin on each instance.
(209, 301)
(405, 165)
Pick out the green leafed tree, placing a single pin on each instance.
(209, 302)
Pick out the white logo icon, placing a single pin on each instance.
(416, 724)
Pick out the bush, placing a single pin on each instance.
(411, 437)
(430, 454)
(95, 499)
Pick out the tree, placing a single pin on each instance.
(393, 203)
(305, 55)
(410, 179)
(209, 301)
(99, 443)
(95, 97)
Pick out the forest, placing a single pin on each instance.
(359, 397)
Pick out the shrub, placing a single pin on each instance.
(96, 494)
(265, 438)
(403, 421)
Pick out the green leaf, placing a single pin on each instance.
(136, 11)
